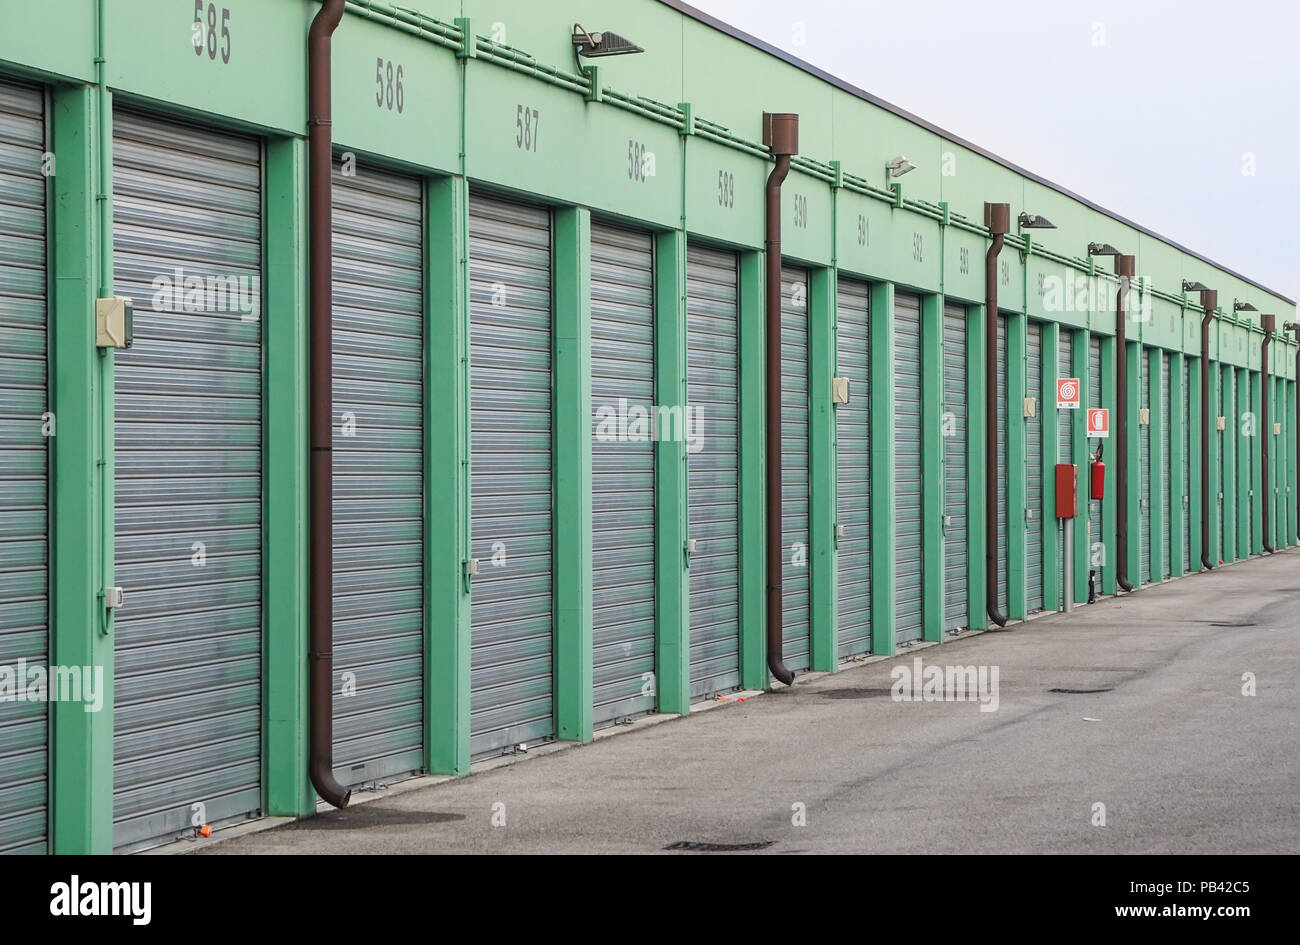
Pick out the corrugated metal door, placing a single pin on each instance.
(713, 492)
(795, 585)
(622, 472)
(510, 474)
(1250, 444)
(1065, 439)
(1004, 574)
(1144, 465)
(1186, 434)
(955, 551)
(1034, 511)
(188, 209)
(907, 466)
(853, 468)
(1166, 469)
(378, 476)
(24, 489)
(1095, 540)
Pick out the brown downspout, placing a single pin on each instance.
(1209, 302)
(997, 217)
(321, 358)
(781, 135)
(1125, 266)
(1270, 325)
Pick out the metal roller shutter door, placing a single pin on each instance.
(24, 485)
(1065, 439)
(907, 466)
(1186, 434)
(378, 476)
(1144, 477)
(623, 473)
(1278, 465)
(1166, 469)
(1250, 444)
(1096, 545)
(1225, 470)
(1034, 471)
(1004, 573)
(188, 651)
(853, 468)
(955, 551)
(511, 700)
(713, 491)
(795, 585)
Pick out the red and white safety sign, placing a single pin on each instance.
(1098, 422)
(1067, 393)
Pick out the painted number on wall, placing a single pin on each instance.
(636, 161)
(1006, 273)
(211, 32)
(801, 211)
(389, 90)
(726, 189)
(527, 121)
(918, 248)
(864, 230)
(963, 261)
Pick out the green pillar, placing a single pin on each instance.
(1228, 474)
(1051, 434)
(447, 477)
(821, 470)
(1081, 459)
(80, 813)
(1293, 451)
(1132, 550)
(1177, 483)
(1157, 467)
(1195, 472)
(753, 466)
(1255, 444)
(976, 467)
(932, 587)
(882, 468)
(672, 577)
(288, 788)
(571, 435)
(1109, 521)
(1017, 466)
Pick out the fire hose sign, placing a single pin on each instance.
(1098, 422)
(1067, 393)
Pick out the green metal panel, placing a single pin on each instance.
(724, 193)
(1036, 510)
(956, 526)
(189, 504)
(1254, 443)
(853, 438)
(1187, 496)
(909, 487)
(1228, 464)
(379, 567)
(623, 472)
(24, 469)
(1096, 543)
(807, 219)
(712, 319)
(510, 479)
(795, 583)
(1065, 445)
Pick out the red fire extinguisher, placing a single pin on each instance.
(1097, 476)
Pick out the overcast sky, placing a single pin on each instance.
(1213, 89)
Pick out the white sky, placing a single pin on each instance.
(1207, 82)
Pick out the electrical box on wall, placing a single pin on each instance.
(1277, 429)
(1144, 416)
(1220, 423)
(114, 322)
(1031, 407)
(839, 390)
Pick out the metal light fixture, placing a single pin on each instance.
(1034, 221)
(1190, 286)
(1240, 306)
(601, 43)
(899, 166)
(1102, 249)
